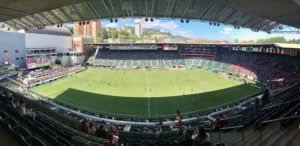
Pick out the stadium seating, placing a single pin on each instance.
(59, 134)
(276, 70)
(39, 77)
(271, 123)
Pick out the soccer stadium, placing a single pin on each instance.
(150, 73)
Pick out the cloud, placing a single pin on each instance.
(111, 25)
(226, 31)
(184, 33)
(137, 20)
(124, 19)
(169, 25)
(157, 23)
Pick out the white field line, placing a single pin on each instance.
(148, 88)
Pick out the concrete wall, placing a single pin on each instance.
(61, 43)
(13, 45)
(71, 60)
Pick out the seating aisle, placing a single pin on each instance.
(6, 139)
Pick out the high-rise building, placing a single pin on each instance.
(138, 30)
(87, 28)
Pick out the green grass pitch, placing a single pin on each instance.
(145, 94)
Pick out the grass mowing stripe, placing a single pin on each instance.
(145, 93)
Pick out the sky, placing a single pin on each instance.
(196, 29)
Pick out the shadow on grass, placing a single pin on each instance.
(138, 106)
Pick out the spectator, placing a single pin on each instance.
(265, 97)
(21, 109)
(200, 137)
(217, 124)
(84, 126)
(11, 103)
(101, 132)
(223, 120)
(257, 104)
(111, 141)
(159, 126)
(114, 131)
(92, 129)
(187, 140)
(179, 119)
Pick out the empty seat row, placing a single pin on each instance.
(23, 135)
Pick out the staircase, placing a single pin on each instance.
(272, 135)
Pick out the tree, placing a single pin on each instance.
(114, 33)
(272, 40)
(99, 38)
(104, 33)
(236, 41)
(123, 34)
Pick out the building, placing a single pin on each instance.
(138, 30)
(79, 42)
(12, 48)
(33, 48)
(50, 37)
(87, 29)
(47, 46)
(130, 30)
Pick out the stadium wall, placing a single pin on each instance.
(60, 43)
(12, 48)
(71, 58)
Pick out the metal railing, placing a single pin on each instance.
(210, 129)
(287, 102)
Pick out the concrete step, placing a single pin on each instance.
(265, 135)
(231, 136)
(253, 136)
(289, 135)
(295, 141)
(281, 136)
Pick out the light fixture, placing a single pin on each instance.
(146, 19)
(151, 19)
(181, 20)
(111, 21)
(116, 20)
(187, 20)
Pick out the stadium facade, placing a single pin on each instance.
(14, 46)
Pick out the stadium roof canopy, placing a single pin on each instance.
(256, 14)
(50, 30)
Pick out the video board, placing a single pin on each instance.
(170, 47)
(38, 61)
